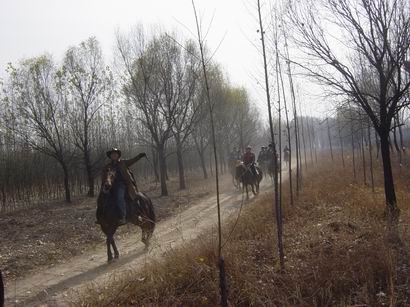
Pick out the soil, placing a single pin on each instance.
(55, 247)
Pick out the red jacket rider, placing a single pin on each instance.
(249, 157)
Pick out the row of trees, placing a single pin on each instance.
(58, 119)
(358, 52)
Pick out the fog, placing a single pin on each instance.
(29, 28)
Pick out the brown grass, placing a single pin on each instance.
(334, 246)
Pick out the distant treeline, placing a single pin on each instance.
(58, 118)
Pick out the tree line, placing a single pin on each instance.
(58, 118)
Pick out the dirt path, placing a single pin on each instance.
(56, 285)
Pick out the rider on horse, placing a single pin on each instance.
(286, 154)
(262, 155)
(249, 160)
(124, 179)
(234, 155)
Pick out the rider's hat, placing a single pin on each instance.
(113, 150)
(248, 147)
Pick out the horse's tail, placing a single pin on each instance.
(150, 213)
(260, 175)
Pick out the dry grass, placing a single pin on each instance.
(335, 255)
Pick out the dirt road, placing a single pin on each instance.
(56, 285)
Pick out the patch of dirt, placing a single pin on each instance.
(53, 233)
(62, 283)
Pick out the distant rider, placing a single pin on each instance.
(249, 159)
(286, 154)
(262, 155)
(234, 155)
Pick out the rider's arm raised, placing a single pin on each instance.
(130, 162)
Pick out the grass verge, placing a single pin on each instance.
(334, 247)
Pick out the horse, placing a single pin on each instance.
(264, 165)
(232, 168)
(246, 177)
(271, 169)
(140, 212)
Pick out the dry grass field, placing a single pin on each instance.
(335, 251)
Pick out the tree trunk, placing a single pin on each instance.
(201, 152)
(363, 155)
(203, 165)
(396, 144)
(402, 147)
(303, 136)
(314, 141)
(376, 137)
(66, 182)
(210, 163)
(353, 155)
(398, 149)
(155, 163)
(330, 139)
(392, 211)
(180, 163)
(310, 140)
(371, 157)
(280, 76)
(162, 170)
(341, 146)
(89, 171)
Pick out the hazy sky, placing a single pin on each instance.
(31, 27)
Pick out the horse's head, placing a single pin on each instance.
(240, 169)
(238, 163)
(107, 180)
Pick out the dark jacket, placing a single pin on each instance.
(127, 175)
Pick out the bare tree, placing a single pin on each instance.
(187, 111)
(37, 111)
(89, 86)
(278, 205)
(375, 32)
(153, 86)
(201, 137)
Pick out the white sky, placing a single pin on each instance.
(31, 27)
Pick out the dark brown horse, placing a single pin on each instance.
(245, 176)
(139, 212)
(271, 169)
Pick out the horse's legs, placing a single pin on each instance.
(145, 238)
(253, 189)
(109, 253)
(247, 192)
(114, 246)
